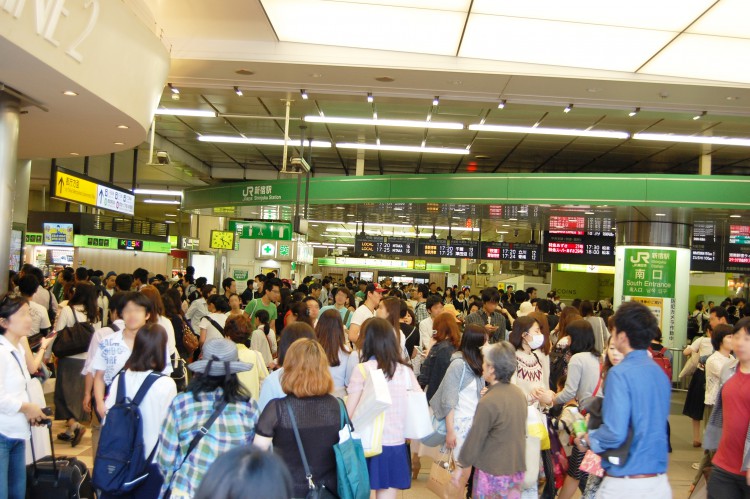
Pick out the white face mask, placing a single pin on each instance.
(537, 340)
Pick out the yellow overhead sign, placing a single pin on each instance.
(75, 189)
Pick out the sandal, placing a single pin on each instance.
(696, 443)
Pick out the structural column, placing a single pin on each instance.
(21, 200)
(9, 121)
(652, 266)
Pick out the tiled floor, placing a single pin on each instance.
(680, 471)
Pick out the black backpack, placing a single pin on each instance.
(693, 326)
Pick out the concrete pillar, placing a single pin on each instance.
(704, 164)
(360, 170)
(9, 121)
(21, 200)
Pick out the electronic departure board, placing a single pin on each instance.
(587, 249)
(737, 250)
(441, 248)
(518, 252)
(384, 245)
(705, 255)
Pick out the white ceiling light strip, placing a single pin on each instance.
(158, 192)
(337, 120)
(198, 113)
(536, 130)
(693, 139)
(385, 147)
(260, 141)
(396, 226)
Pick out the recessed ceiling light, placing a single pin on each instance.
(568, 108)
(174, 89)
(735, 216)
(385, 79)
(70, 93)
(238, 91)
(660, 214)
(245, 72)
(699, 116)
(501, 104)
(123, 127)
(304, 95)
(634, 112)
(119, 143)
(74, 154)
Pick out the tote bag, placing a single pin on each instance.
(440, 474)
(533, 453)
(369, 415)
(351, 467)
(418, 423)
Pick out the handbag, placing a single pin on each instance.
(72, 340)
(189, 340)
(369, 415)
(203, 430)
(440, 474)
(179, 374)
(536, 428)
(418, 423)
(314, 491)
(533, 454)
(351, 466)
(592, 464)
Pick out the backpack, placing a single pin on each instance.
(693, 326)
(663, 361)
(120, 464)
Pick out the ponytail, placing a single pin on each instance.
(264, 318)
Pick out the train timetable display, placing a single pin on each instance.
(737, 250)
(383, 245)
(519, 252)
(441, 248)
(705, 253)
(579, 248)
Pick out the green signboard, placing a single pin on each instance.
(240, 275)
(276, 231)
(650, 272)
(284, 250)
(420, 265)
(34, 238)
(104, 242)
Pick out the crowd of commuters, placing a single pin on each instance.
(228, 378)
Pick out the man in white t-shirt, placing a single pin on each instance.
(434, 308)
(27, 286)
(373, 295)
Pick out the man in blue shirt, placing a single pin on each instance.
(636, 398)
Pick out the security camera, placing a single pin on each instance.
(162, 157)
(299, 163)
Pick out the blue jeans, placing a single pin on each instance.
(12, 468)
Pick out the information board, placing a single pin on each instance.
(576, 248)
(705, 253)
(71, 186)
(519, 252)
(737, 249)
(384, 245)
(441, 248)
(58, 234)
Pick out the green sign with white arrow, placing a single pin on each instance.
(275, 231)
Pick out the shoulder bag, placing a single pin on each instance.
(351, 466)
(314, 491)
(418, 423)
(189, 339)
(74, 339)
(202, 431)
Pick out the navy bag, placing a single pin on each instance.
(120, 463)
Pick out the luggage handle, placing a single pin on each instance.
(52, 448)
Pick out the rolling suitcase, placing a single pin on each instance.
(57, 477)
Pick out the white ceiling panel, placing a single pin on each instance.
(665, 15)
(560, 43)
(704, 57)
(454, 5)
(367, 26)
(726, 18)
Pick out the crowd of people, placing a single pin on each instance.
(222, 378)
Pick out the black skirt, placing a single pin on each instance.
(696, 394)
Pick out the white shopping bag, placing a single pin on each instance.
(376, 398)
(418, 422)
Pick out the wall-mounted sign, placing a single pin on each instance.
(58, 234)
(130, 244)
(420, 264)
(277, 231)
(71, 186)
(267, 250)
(190, 243)
(737, 251)
(34, 238)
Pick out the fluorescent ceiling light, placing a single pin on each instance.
(436, 101)
(160, 201)
(563, 44)
(199, 113)
(238, 91)
(334, 120)
(735, 216)
(170, 215)
(536, 130)
(501, 104)
(700, 115)
(370, 98)
(397, 226)
(169, 222)
(385, 147)
(174, 89)
(304, 95)
(568, 108)
(693, 139)
(634, 112)
(669, 15)
(158, 192)
(394, 26)
(260, 141)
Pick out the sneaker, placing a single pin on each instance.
(65, 437)
(77, 435)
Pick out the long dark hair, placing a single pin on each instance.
(380, 342)
(264, 317)
(173, 303)
(582, 337)
(292, 333)
(85, 294)
(8, 307)
(472, 341)
(392, 305)
(149, 349)
(520, 327)
(331, 336)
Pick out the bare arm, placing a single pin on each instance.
(99, 393)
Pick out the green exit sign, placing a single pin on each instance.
(34, 238)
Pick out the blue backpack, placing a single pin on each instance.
(120, 463)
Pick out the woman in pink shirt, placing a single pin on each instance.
(390, 470)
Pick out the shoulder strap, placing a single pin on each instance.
(255, 306)
(215, 324)
(114, 327)
(413, 328)
(346, 315)
(150, 380)
(50, 300)
(308, 474)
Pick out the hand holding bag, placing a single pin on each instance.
(440, 474)
(592, 464)
(536, 428)
(351, 467)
